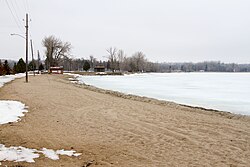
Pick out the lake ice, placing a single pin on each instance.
(220, 91)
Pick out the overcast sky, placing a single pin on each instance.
(165, 30)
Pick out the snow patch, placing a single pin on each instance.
(8, 78)
(22, 154)
(74, 78)
(68, 153)
(11, 111)
(17, 154)
(51, 154)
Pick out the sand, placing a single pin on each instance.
(111, 129)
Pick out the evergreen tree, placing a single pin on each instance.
(14, 68)
(6, 68)
(41, 67)
(86, 66)
(30, 66)
(21, 66)
(1, 68)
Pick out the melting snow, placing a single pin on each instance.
(8, 78)
(17, 154)
(68, 153)
(74, 79)
(11, 111)
(22, 154)
(51, 154)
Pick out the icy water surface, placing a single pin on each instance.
(220, 91)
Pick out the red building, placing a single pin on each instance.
(56, 70)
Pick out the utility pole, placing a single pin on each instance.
(27, 42)
(38, 60)
(32, 53)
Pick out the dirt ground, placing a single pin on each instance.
(115, 131)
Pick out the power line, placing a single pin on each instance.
(16, 13)
(11, 4)
(13, 16)
(24, 6)
(18, 8)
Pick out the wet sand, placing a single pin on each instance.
(113, 129)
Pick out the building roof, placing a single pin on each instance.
(99, 67)
(56, 68)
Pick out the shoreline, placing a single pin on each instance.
(150, 100)
(113, 129)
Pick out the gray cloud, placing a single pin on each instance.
(177, 30)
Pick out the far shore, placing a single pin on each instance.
(114, 129)
(87, 73)
(98, 73)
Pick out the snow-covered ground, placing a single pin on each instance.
(74, 78)
(220, 91)
(8, 78)
(11, 111)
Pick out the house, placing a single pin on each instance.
(99, 68)
(56, 70)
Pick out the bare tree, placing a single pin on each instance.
(126, 64)
(139, 59)
(121, 60)
(112, 57)
(91, 59)
(56, 50)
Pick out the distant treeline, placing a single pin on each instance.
(131, 64)
(207, 66)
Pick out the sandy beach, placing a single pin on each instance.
(113, 129)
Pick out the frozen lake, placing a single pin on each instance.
(220, 91)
